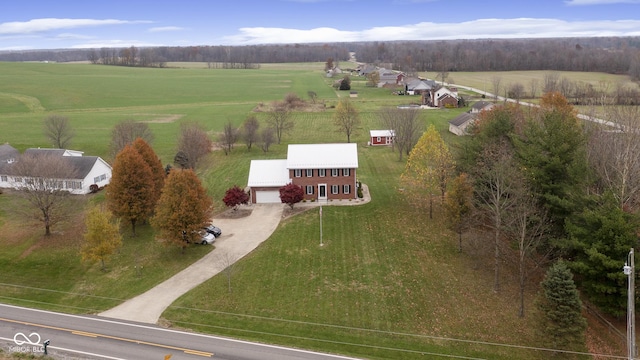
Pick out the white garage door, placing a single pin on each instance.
(263, 197)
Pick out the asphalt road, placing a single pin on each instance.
(85, 337)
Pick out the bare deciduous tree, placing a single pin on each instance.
(58, 130)
(406, 125)
(250, 131)
(228, 137)
(533, 88)
(346, 118)
(516, 91)
(126, 132)
(193, 143)
(496, 84)
(615, 155)
(279, 119)
(268, 138)
(497, 179)
(527, 226)
(44, 181)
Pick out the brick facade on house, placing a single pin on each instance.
(337, 183)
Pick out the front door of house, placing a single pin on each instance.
(322, 191)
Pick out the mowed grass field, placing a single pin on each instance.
(388, 283)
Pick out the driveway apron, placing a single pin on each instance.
(239, 237)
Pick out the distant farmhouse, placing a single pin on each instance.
(325, 172)
(89, 170)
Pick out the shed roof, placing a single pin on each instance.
(381, 133)
(462, 119)
(322, 156)
(268, 173)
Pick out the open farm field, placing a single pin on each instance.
(389, 283)
(484, 80)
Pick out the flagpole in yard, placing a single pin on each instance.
(320, 225)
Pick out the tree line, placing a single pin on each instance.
(616, 55)
(535, 186)
(613, 55)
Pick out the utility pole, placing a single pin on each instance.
(629, 270)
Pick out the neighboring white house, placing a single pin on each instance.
(460, 124)
(90, 170)
(324, 171)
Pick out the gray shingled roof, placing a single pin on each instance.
(462, 119)
(7, 152)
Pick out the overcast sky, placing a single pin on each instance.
(50, 24)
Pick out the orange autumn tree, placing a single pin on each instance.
(155, 165)
(183, 209)
(130, 192)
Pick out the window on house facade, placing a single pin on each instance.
(103, 177)
(309, 172)
(335, 189)
(334, 172)
(309, 189)
(346, 189)
(378, 139)
(297, 172)
(18, 179)
(96, 179)
(3, 178)
(321, 172)
(345, 172)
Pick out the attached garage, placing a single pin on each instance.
(266, 177)
(267, 196)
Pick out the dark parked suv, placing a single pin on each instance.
(213, 230)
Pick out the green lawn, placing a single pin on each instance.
(388, 282)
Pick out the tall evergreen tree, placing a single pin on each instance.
(552, 152)
(561, 323)
(130, 192)
(599, 240)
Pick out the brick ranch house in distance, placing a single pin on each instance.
(325, 172)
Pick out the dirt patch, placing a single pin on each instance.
(163, 119)
(235, 214)
(306, 107)
(289, 212)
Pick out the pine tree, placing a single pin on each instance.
(183, 210)
(561, 322)
(102, 238)
(130, 192)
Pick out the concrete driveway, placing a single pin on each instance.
(239, 237)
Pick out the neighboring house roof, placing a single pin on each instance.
(82, 164)
(482, 105)
(462, 119)
(382, 133)
(8, 154)
(57, 152)
(268, 173)
(318, 156)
